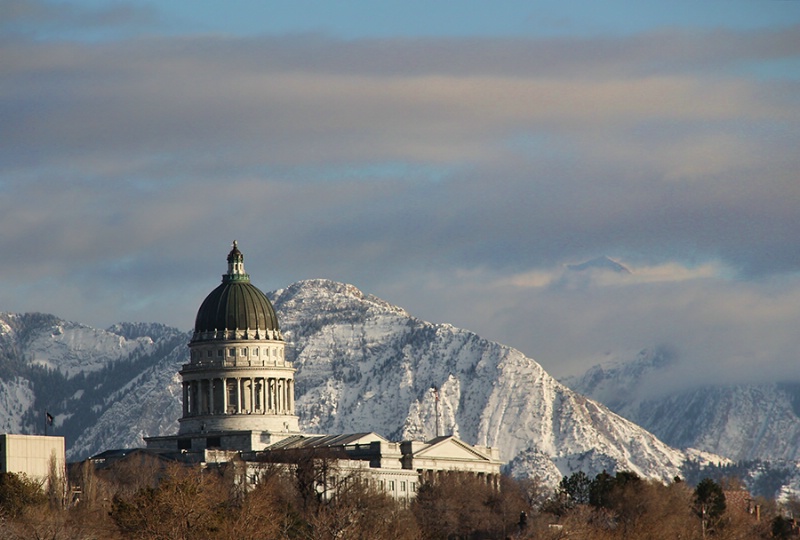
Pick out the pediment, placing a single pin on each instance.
(450, 448)
(366, 438)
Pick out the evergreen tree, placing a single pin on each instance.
(709, 504)
(576, 487)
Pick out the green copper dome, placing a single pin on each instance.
(236, 304)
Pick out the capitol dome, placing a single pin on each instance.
(237, 304)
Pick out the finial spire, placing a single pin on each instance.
(236, 265)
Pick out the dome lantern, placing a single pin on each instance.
(235, 266)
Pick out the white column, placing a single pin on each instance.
(271, 390)
(238, 395)
(224, 395)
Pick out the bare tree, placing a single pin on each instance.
(183, 506)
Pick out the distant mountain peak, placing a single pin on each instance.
(600, 263)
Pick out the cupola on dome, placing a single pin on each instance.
(237, 304)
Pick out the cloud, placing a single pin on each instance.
(270, 101)
(454, 177)
(41, 18)
(722, 330)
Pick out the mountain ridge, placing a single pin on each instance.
(363, 364)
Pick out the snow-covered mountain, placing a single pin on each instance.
(80, 375)
(362, 365)
(741, 422)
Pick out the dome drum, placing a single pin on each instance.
(237, 355)
(247, 334)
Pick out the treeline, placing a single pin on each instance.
(146, 498)
(763, 478)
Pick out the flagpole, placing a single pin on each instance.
(48, 420)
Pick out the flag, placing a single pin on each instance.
(49, 418)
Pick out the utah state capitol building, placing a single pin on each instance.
(238, 402)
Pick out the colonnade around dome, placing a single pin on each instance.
(238, 395)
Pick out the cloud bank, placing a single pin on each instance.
(455, 177)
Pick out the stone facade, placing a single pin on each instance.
(397, 468)
(238, 384)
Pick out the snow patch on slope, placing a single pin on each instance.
(16, 397)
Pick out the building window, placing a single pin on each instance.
(232, 352)
(391, 485)
(402, 486)
(413, 487)
(255, 352)
(219, 352)
(244, 352)
(209, 353)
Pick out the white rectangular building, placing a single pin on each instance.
(31, 454)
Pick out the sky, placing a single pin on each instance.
(453, 158)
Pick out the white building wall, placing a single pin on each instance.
(31, 454)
